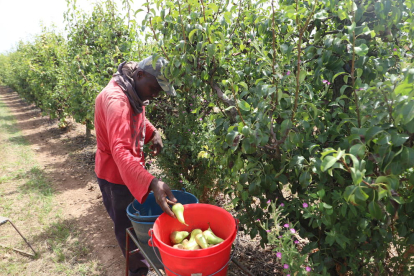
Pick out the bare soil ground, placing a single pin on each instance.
(68, 161)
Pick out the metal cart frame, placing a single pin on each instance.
(130, 234)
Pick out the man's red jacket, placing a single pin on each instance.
(120, 140)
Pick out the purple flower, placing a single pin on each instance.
(361, 89)
(268, 202)
(305, 205)
(282, 204)
(292, 230)
(395, 49)
(324, 81)
(257, 219)
(268, 231)
(201, 119)
(183, 111)
(296, 242)
(288, 275)
(308, 268)
(279, 255)
(191, 104)
(280, 237)
(286, 225)
(193, 96)
(181, 181)
(288, 73)
(285, 266)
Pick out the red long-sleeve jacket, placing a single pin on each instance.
(120, 139)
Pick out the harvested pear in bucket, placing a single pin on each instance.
(201, 240)
(178, 210)
(178, 236)
(211, 237)
(192, 243)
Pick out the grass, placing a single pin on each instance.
(27, 199)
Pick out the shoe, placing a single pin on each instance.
(139, 272)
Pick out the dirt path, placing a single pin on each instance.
(67, 159)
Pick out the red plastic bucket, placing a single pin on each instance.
(201, 262)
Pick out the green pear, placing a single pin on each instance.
(195, 232)
(201, 240)
(211, 237)
(179, 246)
(190, 245)
(178, 236)
(178, 210)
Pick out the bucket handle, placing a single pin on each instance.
(151, 243)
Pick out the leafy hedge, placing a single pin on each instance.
(305, 104)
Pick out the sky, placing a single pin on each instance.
(22, 19)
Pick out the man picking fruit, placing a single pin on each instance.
(121, 132)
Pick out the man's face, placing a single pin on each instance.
(147, 86)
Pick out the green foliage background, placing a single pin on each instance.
(290, 101)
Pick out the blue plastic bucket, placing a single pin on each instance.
(143, 216)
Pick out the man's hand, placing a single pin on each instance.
(161, 191)
(157, 145)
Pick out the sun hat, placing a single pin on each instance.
(155, 69)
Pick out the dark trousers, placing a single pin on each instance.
(116, 199)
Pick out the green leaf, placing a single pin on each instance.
(328, 162)
(398, 139)
(322, 14)
(360, 194)
(338, 74)
(190, 36)
(213, 6)
(211, 50)
(244, 105)
(244, 85)
(361, 50)
(326, 206)
(351, 28)
(408, 112)
(246, 130)
(302, 76)
(327, 151)
(343, 209)
(230, 137)
(358, 150)
(314, 109)
(321, 193)
(371, 132)
(286, 124)
(305, 179)
(375, 210)
(404, 88)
